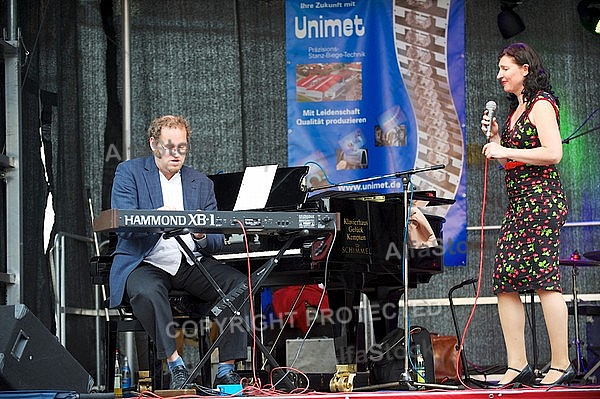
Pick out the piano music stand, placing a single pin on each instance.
(227, 299)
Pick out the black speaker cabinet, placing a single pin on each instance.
(32, 358)
(592, 333)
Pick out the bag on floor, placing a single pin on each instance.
(385, 359)
(445, 357)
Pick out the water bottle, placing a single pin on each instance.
(420, 366)
(126, 374)
(117, 387)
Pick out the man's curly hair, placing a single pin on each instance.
(168, 121)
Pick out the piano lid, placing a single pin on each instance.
(426, 195)
(287, 192)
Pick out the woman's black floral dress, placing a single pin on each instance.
(527, 249)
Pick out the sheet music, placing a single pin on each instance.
(256, 187)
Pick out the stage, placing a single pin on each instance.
(525, 393)
(529, 393)
(472, 389)
(582, 392)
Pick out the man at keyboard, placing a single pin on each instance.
(147, 266)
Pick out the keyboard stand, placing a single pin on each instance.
(230, 304)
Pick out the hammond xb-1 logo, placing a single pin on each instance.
(171, 220)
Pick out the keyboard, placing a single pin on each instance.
(138, 220)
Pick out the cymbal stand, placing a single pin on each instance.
(580, 364)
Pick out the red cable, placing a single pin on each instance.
(257, 388)
(481, 252)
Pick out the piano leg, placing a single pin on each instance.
(386, 309)
(345, 302)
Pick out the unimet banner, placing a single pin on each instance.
(375, 92)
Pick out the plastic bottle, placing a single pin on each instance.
(117, 387)
(420, 366)
(126, 374)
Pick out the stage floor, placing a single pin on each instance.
(475, 388)
(524, 393)
(583, 392)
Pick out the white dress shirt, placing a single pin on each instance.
(166, 254)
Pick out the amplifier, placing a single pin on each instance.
(592, 332)
(315, 355)
(32, 358)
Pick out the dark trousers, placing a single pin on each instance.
(148, 290)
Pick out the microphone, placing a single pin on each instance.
(490, 106)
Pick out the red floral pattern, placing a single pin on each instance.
(527, 250)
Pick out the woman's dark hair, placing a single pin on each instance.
(537, 79)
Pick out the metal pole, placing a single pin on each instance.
(97, 305)
(406, 377)
(63, 294)
(576, 317)
(14, 176)
(59, 305)
(126, 83)
(60, 283)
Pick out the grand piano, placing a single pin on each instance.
(364, 256)
(369, 241)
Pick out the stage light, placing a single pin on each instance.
(509, 22)
(589, 15)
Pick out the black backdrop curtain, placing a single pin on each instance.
(221, 64)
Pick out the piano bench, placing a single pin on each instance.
(184, 306)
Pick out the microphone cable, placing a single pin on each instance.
(480, 273)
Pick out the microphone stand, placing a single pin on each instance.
(405, 377)
(576, 133)
(389, 175)
(405, 176)
(568, 139)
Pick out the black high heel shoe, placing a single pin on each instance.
(567, 376)
(526, 376)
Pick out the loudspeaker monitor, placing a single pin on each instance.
(32, 358)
